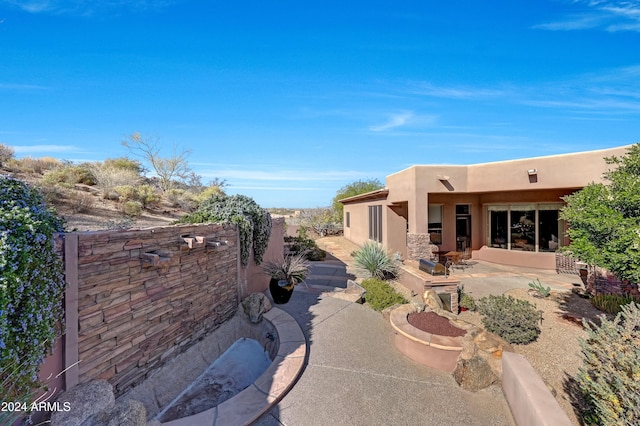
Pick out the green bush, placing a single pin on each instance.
(610, 375)
(307, 246)
(373, 259)
(182, 198)
(381, 295)
(126, 192)
(132, 208)
(68, 175)
(254, 222)
(611, 303)
(124, 163)
(31, 288)
(515, 320)
(148, 195)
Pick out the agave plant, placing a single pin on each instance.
(374, 259)
(291, 268)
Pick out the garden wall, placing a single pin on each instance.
(144, 295)
(137, 298)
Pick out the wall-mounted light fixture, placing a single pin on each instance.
(442, 178)
(532, 172)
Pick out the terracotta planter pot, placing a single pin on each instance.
(281, 295)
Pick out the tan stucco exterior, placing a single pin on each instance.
(408, 193)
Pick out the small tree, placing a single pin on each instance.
(6, 153)
(604, 219)
(168, 169)
(354, 188)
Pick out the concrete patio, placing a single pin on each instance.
(355, 376)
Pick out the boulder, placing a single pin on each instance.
(124, 413)
(474, 374)
(432, 300)
(85, 400)
(255, 305)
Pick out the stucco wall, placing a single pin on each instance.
(252, 279)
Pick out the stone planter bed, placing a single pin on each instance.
(433, 350)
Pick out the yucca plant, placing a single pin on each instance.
(373, 259)
(292, 268)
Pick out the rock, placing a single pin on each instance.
(432, 300)
(418, 303)
(124, 413)
(85, 400)
(356, 291)
(474, 374)
(255, 305)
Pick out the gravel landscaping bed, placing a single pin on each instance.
(556, 354)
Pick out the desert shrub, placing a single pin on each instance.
(32, 287)
(207, 193)
(108, 177)
(81, 201)
(182, 198)
(6, 154)
(37, 165)
(254, 222)
(124, 163)
(132, 208)
(68, 175)
(126, 192)
(380, 295)
(148, 195)
(372, 258)
(515, 320)
(307, 246)
(611, 303)
(609, 377)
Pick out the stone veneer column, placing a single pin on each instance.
(418, 246)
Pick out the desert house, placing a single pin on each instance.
(505, 212)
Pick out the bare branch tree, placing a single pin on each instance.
(168, 169)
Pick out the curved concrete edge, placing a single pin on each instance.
(530, 401)
(268, 389)
(441, 352)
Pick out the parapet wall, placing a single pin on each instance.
(144, 295)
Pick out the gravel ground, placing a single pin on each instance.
(556, 354)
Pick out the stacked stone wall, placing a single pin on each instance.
(418, 246)
(146, 295)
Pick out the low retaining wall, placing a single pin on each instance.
(441, 352)
(530, 401)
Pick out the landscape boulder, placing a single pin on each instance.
(124, 413)
(84, 400)
(255, 305)
(474, 374)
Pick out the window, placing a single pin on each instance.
(525, 227)
(435, 223)
(375, 223)
(348, 220)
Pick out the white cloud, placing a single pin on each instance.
(13, 86)
(460, 92)
(394, 121)
(610, 15)
(84, 7)
(284, 175)
(276, 188)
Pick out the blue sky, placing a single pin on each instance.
(290, 100)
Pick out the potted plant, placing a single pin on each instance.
(285, 273)
(466, 302)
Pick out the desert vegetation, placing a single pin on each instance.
(129, 187)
